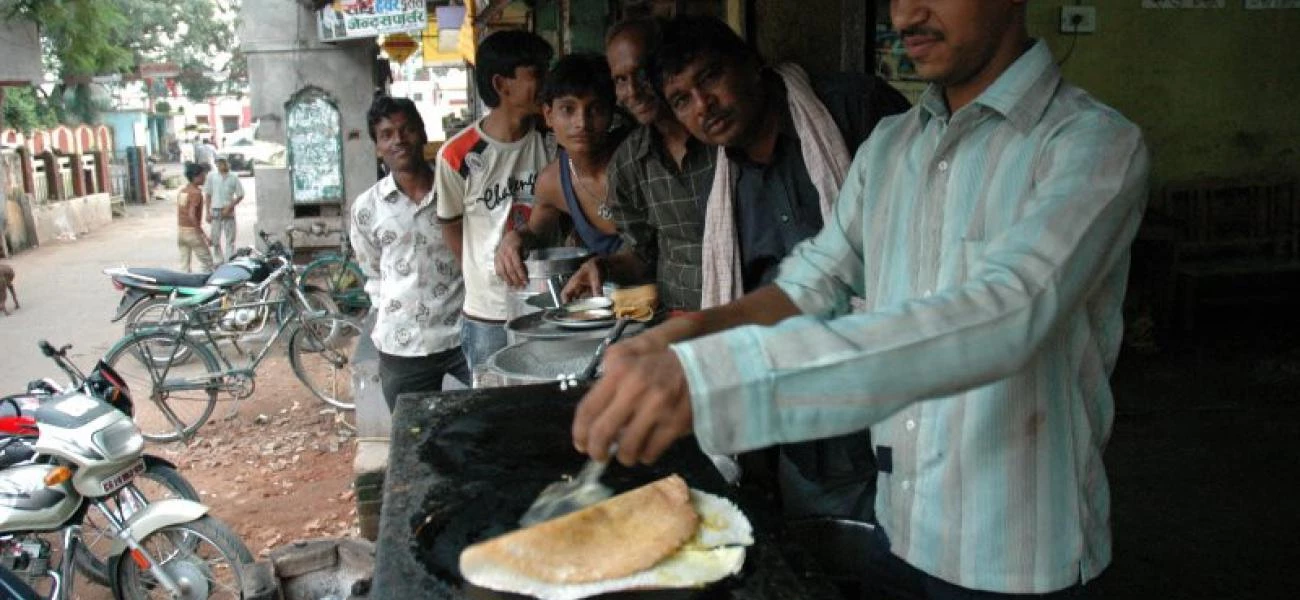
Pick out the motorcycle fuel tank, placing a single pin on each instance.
(239, 270)
(27, 504)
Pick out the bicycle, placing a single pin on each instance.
(183, 367)
(339, 274)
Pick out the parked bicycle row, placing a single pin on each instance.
(190, 337)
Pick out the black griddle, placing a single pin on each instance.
(464, 465)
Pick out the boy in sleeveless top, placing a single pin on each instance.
(578, 105)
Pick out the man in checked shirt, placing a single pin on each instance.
(988, 230)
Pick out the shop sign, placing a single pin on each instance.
(351, 19)
(399, 47)
(159, 70)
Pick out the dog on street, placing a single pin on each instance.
(7, 288)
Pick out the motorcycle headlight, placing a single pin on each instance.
(121, 438)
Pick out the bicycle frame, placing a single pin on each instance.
(295, 299)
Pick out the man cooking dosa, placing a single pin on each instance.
(988, 230)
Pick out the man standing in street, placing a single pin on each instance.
(190, 238)
(988, 230)
(220, 195)
(487, 178)
(205, 153)
(412, 277)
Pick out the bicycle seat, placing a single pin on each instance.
(168, 277)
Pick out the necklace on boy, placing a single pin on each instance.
(603, 209)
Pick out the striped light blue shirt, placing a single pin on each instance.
(991, 247)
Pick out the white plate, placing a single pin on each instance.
(560, 318)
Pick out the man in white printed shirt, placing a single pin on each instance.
(221, 193)
(413, 279)
(988, 231)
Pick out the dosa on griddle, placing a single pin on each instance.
(607, 540)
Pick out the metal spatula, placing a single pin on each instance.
(563, 497)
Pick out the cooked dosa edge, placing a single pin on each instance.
(615, 538)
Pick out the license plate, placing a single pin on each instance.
(115, 482)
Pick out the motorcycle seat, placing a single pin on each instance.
(170, 277)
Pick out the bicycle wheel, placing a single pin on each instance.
(320, 352)
(154, 312)
(343, 280)
(172, 399)
(204, 557)
(158, 482)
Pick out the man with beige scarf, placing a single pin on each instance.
(784, 144)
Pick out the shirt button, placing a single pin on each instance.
(906, 485)
(943, 166)
(910, 424)
(785, 218)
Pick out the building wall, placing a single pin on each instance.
(125, 125)
(811, 37)
(20, 44)
(284, 56)
(1211, 88)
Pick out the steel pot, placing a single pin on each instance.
(537, 361)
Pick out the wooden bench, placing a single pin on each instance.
(1230, 242)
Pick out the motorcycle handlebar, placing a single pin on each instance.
(46, 348)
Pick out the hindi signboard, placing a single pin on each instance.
(351, 19)
(159, 70)
(314, 131)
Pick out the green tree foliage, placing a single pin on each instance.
(84, 38)
(24, 111)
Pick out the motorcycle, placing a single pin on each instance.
(86, 455)
(19, 432)
(146, 292)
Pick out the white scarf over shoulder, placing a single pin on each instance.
(827, 160)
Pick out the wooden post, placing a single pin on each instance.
(103, 175)
(53, 177)
(78, 175)
(28, 171)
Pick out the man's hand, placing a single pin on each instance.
(510, 260)
(207, 216)
(228, 211)
(585, 282)
(642, 401)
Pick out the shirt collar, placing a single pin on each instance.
(645, 139)
(1020, 94)
(387, 187)
(642, 140)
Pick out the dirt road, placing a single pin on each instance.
(277, 466)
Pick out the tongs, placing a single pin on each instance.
(563, 497)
